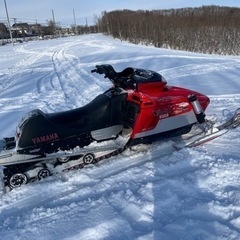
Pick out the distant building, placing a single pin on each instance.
(36, 29)
(21, 29)
(3, 31)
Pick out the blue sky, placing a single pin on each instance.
(41, 11)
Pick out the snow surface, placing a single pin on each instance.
(148, 193)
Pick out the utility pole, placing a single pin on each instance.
(54, 23)
(75, 24)
(9, 25)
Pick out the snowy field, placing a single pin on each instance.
(192, 194)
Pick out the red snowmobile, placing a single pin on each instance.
(139, 108)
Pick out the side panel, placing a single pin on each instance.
(169, 124)
(106, 133)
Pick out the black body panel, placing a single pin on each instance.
(66, 130)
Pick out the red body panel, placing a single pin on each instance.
(157, 102)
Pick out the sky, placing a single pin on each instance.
(87, 10)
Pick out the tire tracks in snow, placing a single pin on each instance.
(45, 84)
(75, 82)
(67, 76)
(24, 65)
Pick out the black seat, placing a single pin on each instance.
(92, 116)
(104, 111)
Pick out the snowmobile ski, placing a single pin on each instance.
(212, 133)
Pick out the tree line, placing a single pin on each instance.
(207, 29)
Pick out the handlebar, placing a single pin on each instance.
(119, 79)
(105, 69)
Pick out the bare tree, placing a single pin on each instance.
(208, 29)
(51, 27)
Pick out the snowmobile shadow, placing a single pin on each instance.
(180, 204)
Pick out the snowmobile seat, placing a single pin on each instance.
(102, 112)
(83, 117)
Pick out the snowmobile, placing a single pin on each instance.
(140, 107)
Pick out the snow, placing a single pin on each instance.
(146, 193)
